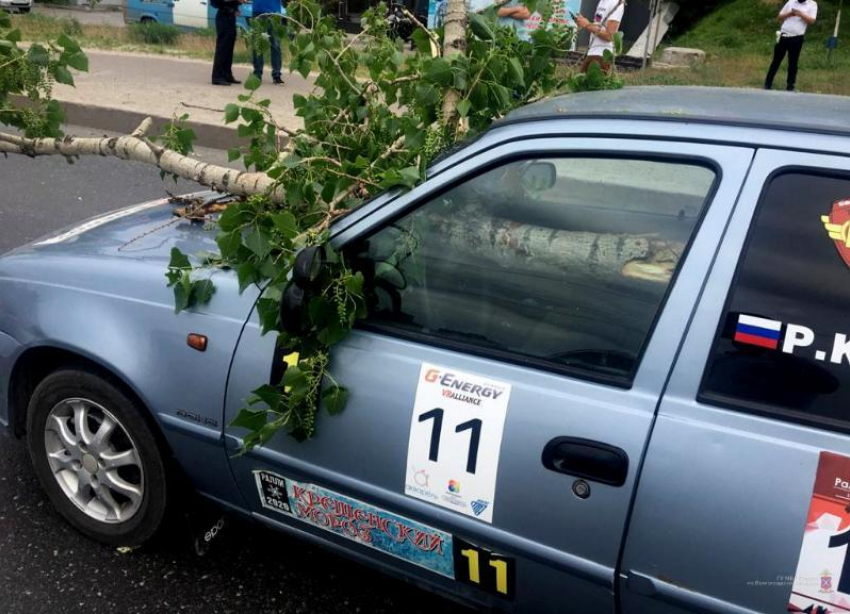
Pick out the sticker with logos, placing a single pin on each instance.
(370, 526)
(821, 584)
(455, 440)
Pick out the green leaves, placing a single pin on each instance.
(231, 113)
(482, 27)
(252, 83)
(250, 419)
(68, 44)
(62, 74)
(38, 55)
(373, 122)
(335, 397)
(187, 292)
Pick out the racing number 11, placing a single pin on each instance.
(436, 431)
(482, 568)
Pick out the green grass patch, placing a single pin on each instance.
(153, 33)
(738, 38)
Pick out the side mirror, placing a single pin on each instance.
(308, 267)
(539, 176)
(306, 271)
(293, 309)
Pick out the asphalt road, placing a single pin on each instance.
(46, 567)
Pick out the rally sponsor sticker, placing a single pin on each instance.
(822, 582)
(358, 521)
(837, 225)
(455, 439)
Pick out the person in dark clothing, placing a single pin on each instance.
(795, 16)
(225, 41)
(266, 12)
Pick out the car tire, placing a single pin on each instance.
(107, 477)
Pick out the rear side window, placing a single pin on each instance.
(783, 345)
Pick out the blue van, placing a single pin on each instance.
(188, 14)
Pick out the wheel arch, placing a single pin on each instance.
(36, 363)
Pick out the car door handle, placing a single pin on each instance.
(584, 458)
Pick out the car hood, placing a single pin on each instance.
(125, 253)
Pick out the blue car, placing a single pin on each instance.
(606, 367)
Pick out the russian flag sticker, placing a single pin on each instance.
(758, 331)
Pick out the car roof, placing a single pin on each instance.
(716, 105)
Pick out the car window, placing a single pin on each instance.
(782, 344)
(558, 263)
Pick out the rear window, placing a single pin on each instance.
(783, 344)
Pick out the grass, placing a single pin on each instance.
(738, 39)
(154, 33)
(164, 40)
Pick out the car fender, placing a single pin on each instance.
(144, 345)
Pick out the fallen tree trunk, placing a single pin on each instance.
(137, 147)
(600, 255)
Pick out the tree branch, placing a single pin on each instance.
(435, 42)
(138, 148)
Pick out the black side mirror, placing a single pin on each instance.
(308, 267)
(306, 272)
(293, 309)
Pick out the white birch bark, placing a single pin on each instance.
(139, 149)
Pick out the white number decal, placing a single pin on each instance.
(455, 439)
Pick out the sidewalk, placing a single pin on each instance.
(121, 89)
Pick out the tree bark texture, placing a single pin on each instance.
(599, 255)
(139, 149)
(454, 43)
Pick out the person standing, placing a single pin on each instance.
(795, 16)
(225, 41)
(603, 28)
(266, 12)
(514, 14)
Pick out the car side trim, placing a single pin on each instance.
(576, 566)
(679, 596)
(196, 431)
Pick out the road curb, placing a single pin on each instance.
(125, 121)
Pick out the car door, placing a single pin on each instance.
(743, 498)
(502, 390)
(191, 13)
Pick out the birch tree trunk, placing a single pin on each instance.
(137, 147)
(610, 256)
(454, 43)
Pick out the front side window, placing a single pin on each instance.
(558, 263)
(783, 344)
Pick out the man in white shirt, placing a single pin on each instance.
(605, 24)
(795, 17)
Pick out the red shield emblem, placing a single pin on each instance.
(826, 583)
(837, 225)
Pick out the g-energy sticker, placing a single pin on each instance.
(822, 582)
(455, 440)
(358, 521)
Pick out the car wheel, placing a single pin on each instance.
(96, 457)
